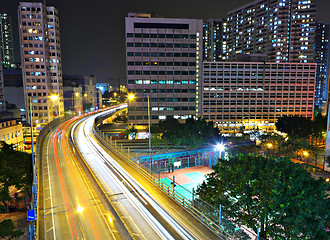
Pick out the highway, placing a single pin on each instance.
(87, 194)
(69, 207)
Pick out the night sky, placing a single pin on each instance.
(93, 31)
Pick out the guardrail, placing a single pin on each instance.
(209, 216)
(34, 227)
(35, 196)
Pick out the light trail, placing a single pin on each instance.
(71, 185)
(82, 172)
(104, 166)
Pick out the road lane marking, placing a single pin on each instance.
(50, 192)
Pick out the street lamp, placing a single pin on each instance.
(269, 146)
(54, 98)
(32, 151)
(220, 147)
(131, 97)
(80, 209)
(305, 153)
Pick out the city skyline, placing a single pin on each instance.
(106, 55)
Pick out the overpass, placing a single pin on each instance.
(86, 191)
(90, 188)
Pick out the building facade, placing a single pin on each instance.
(214, 39)
(41, 61)
(6, 38)
(283, 30)
(163, 62)
(253, 95)
(11, 132)
(73, 99)
(14, 91)
(88, 85)
(321, 57)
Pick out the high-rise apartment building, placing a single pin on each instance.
(284, 30)
(6, 39)
(321, 57)
(163, 60)
(255, 94)
(41, 61)
(214, 41)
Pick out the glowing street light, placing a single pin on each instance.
(54, 98)
(305, 153)
(77, 94)
(80, 209)
(220, 147)
(269, 145)
(131, 97)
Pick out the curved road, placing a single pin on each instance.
(70, 207)
(86, 194)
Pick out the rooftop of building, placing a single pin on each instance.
(244, 6)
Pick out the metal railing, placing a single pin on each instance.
(208, 215)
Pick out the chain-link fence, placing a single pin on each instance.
(210, 216)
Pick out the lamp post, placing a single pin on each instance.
(32, 151)
(75, 95)
(220, 147)
(306, 155)
(54, 98)
(269, 146)
(131, 97)
(149, 135)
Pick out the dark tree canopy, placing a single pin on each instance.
(193, 133)
(7, 230)
(295, 126)
(15, 170)
(301, 127)
(275, 195)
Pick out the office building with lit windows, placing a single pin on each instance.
(41, 61)
(214, 39)
(283, 30)
(6, 39)
(163, 60)
(256, 94)
(321, 57)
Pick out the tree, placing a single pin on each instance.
(272, 141)
(275, 195)
(319, 125)
(295, 126)
(296, 147)
(130, 131)
(15, 170)
(193, 133)
(7, 229)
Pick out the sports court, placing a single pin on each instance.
(187, 178)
